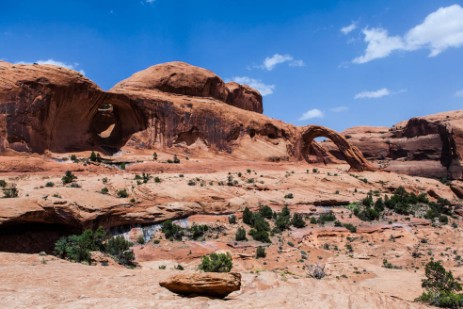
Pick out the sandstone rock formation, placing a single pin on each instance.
(430, 146)
(351, 154)
(207, 284)
(44, 107)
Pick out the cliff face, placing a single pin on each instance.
(44, 107)
(430, 146)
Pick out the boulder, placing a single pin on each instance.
(206, 284)
(244, 97)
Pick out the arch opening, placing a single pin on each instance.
(351, 154)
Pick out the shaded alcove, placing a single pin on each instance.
(33, 237)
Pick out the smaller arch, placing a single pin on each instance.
(352, 154)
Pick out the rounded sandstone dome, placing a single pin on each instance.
(176, 77)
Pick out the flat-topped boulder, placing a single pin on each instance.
(205, 284)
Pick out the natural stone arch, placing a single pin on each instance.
(352, 154)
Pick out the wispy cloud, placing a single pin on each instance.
(339, 109)
(311, 114)
(349, 28)
(56, 63)
(373, 94)
(459, 94)
(264, 89)
(271, 62)
(440, 30)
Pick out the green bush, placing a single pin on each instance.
(260, 252)
(232, 219)
(266, 212)
(119, 249)
(327, 217)
(260, 235)
(122, 193)
(248, 216)
(77, 247)
(197, 231)
(298, 221)
(352, 228)
(11, 192)
(68, 177)
(2, 183)
(289, 196)
(50, 184)
(216, 262)
(240, 234)
(440, 287)
(172, 230)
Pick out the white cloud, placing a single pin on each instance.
(349, 28)
(264, 89)
(440, 30)
(271, 62)
(379, 45)
(150, 1)
(311, 114)
(339, 109)
(56, 63)
(459, 94)
(373, 94)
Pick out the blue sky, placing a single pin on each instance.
(335, 63)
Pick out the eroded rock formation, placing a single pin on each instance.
(208, 284)
(350, 153)
(430, 146)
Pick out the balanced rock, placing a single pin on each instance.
(207, 284)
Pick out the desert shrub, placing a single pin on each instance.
(367, 214)
(313, 220)
(283, 219)
(172, 230)
(260, 252)
(104, 190)
(2, 183)
(298, 221)
(440, 287)
(289, 196)
(316, 271)
(248, 216)
(379, 205)
(368, 201)
(327, 217)
(260, 235)
(141, 240)
(197, 231)
(266, 212)
(157, 179)
(191, 182)
(443, 219)
(77, 247)
(50, 184)
(68, 177)
(216, 262)
(74, 158)
(11, 192)
(232, 219)
(122, 193)
(119, 249)
(240, 234)
(155, 156)
(179, 267)
(352, 228)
